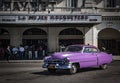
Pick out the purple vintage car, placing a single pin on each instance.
(75, 57)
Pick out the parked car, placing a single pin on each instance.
(75, 57)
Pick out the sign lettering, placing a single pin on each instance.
(49, 18)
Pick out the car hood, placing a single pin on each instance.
(62, 55)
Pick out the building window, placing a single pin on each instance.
(74, 3)
(71, 4)
(43, 6)
(111, 18)
(110, 3)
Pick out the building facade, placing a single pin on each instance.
(53, 23)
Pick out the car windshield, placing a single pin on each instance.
(73, 49)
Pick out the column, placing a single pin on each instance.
(52, 39)
(91, 36)
(15, 37)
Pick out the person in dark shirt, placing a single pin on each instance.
(8, 53)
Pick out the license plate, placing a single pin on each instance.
(51, 66)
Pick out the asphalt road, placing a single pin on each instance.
(34, 73)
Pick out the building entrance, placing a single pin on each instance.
(35, 36)
(70, 36)
(110, 45)
(109, 39)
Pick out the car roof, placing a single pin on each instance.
(83, 45)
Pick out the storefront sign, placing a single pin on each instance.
(35, 19)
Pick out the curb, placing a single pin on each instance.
(22, 61)
(116, 57)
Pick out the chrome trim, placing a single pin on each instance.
(58, 66)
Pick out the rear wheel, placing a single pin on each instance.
(52, 70)
(73, 69)
(104, 66)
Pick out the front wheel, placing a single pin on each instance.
(104, 66)
(73, 69)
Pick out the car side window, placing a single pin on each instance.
(90, 50)
(87, 50)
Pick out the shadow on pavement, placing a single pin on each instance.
(64, 72)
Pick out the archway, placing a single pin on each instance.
(110, 39)
(4, 41)
(4, 38)
(35, 36)
(70, 36)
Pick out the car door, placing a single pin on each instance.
(89, 57)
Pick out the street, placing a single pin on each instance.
(34, 73)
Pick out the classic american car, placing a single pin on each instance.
(75, 57)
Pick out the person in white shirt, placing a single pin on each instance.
(21, 50)
(15, 52)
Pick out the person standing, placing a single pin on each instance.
(30, 52)
(21, 50)
(15, 52)
(8, 53)
(36, 52)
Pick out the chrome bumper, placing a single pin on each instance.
(57, 66)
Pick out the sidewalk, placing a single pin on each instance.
(21, 61)
(39, 61)
(116, 57)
